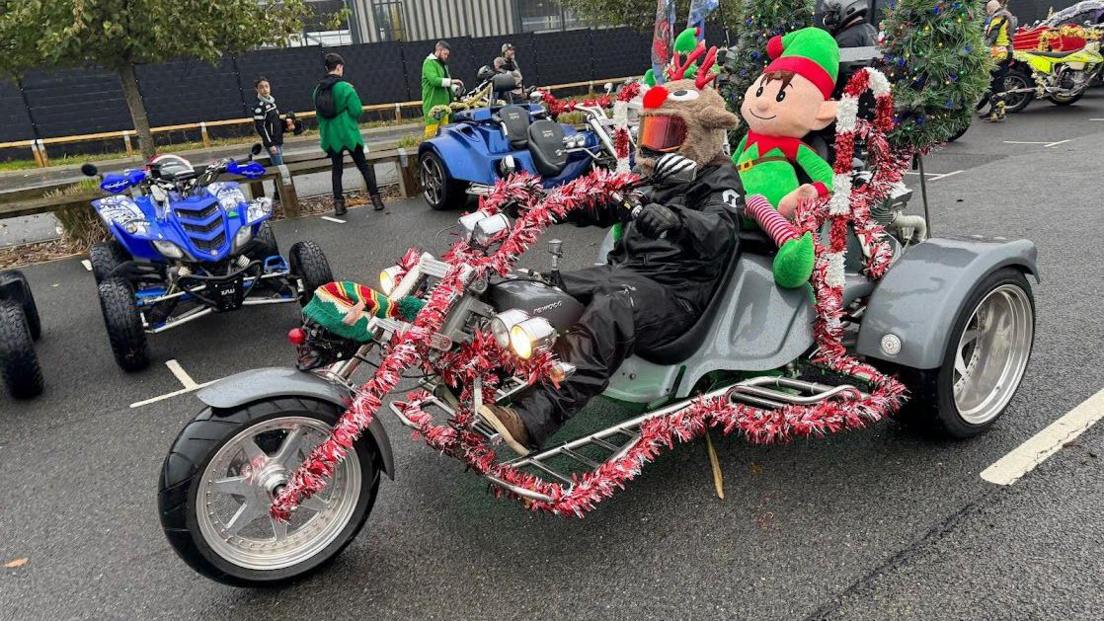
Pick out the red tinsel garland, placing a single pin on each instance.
(556, 107)
(482, 358)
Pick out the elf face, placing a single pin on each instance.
(785, 104)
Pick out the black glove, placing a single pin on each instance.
(655, 220)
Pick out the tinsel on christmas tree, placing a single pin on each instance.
(756, 23)
(936, 58)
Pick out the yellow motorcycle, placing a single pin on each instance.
(1062, 77)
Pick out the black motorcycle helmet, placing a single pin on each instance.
(839, 12)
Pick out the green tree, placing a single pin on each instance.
(120, 34)
(936, 58)
(756, 22)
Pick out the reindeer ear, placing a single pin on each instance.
(717, 118)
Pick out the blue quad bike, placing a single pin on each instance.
(186, 245)
(19, 329)
(486, 144)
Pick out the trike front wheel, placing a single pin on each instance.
(985, 359)
(225, 468)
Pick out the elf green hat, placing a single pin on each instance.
(811, 53)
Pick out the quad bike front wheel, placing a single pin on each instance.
(222, 474)
(308, 263)
(123, 322)
(18, 361)
(985, 359)
(105, 257)
(30, 309)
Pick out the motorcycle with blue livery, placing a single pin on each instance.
(491, 142)
(185, 245)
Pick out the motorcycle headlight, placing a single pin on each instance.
(168, 249)
(123, 211)
(230, 196)
(245, 234)
(389, 279)
(503, 323)
(531, 336)
(258, 208)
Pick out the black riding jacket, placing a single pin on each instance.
(691, 259)
(267, 122)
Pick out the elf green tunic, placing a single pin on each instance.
(766, 166)
(342, 131)
(436, 87)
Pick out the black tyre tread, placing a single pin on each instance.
(30, 308)
(105, 257)
(454, 197)
(124, 325)
(933, 411)
(1025, 99)
(266, 238)
(1067, 102)
(196, 445)
(18, 361)
(308, 262)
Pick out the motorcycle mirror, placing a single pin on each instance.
(504, 83)
(89, 170)
(609, 87)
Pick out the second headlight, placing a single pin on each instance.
(531, 336)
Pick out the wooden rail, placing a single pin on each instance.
(42, 159)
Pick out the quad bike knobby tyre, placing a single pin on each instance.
(985, 359)
(309, 265)
(225, 467)
(105, 257)
(124, 326)
(264, 244)
(440, 192)
(30, 309)
(18, 361)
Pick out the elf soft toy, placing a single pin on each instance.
(790, 99)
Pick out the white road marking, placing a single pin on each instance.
(950, 174)
(87, 264)
(1054, 144)
(182, 376)
(1023, 142)
(936, 176)
(1096, 119)
(1023, 459)
(333, 219)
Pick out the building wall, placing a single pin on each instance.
(419, 20)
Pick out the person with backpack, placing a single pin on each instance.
(439, 88)
(998, 35)
(338, 108)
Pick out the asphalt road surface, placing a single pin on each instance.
(880, 524)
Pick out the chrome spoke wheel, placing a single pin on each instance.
(433, 181)
(992, 354)
(240, 481)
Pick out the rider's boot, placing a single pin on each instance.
(508, 425)
(998, 114)
(339, 207)
(377, 202)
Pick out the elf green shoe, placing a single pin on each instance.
(793, 265)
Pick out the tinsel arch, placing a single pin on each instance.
(482, 359)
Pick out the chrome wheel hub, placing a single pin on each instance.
(992, 354)
(432, 180)
(237, 487)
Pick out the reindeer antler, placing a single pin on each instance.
(678, 71)
(705, 75)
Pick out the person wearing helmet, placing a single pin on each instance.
(507, 63)
(998, 35)
(849, 24)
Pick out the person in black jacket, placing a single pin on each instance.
(267, 121)
(659, 277)
(848, 22)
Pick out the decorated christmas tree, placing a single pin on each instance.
(756, 23)
(936, 58)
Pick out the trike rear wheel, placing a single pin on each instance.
(225, 468)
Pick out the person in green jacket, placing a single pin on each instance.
(438, 87)
(338, 108)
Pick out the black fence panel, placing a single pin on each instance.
(484, 50)
(292, 72)
(76, 101)
(620, 52)
(413, 54)
(375, 70)
(563, 57)
(188, 91)
(17, 124)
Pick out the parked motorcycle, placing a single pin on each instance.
(186, 245)
(1062, 77)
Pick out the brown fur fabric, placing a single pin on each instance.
(707, 122)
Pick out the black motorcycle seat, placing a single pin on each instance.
(685, 346)
(515, 125)
(547, 148)
(1054, 54)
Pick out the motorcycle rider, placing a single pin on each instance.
(849, 24)
(659, 276)
(507, 63)
(998, 35)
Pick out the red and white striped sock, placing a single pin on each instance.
(777, 227)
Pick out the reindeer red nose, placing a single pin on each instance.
(655, 97)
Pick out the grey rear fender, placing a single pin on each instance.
(922, 294)
(261, 384)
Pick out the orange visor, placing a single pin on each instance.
(661, 132)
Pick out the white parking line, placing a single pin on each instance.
(936, 176)
(1023, 142)
(1054, 144)
(1096, 119)
(87, 264)
(182, 376)
(1023, 459)
(331, 219)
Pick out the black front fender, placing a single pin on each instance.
(260, 384)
